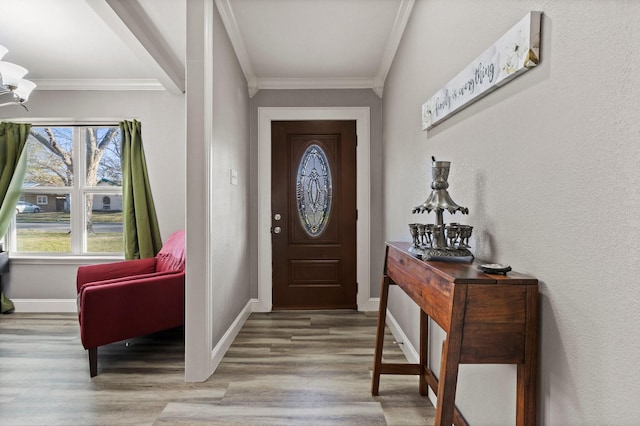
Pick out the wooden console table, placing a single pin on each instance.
(489, 319)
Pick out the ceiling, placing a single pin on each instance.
(141, 44)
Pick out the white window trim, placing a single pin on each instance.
(77, 192)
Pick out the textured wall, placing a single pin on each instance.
(548, 166)
(230, 209)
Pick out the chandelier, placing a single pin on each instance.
(14, 89)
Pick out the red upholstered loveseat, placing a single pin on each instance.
(121, 300)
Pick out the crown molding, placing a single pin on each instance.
(378, 88)
(233, 31)
(254, 83)
(399, 25)
(99, 84)
(315, 83)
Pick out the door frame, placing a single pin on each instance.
(363, 197)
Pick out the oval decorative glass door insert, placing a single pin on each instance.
(313, 190)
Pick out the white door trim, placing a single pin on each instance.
(362, 117)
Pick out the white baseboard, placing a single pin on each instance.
(371, 305)
(45, 305)
(412, 355)
(229, 336)
(258, 306)
(410, 352)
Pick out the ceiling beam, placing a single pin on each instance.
(130, 22)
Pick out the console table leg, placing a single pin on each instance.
(525, 397)
(451, 360)
(424, 351)
(382, 316)
(527, 373)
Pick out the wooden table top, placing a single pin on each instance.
(466, 273)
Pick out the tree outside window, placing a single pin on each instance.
(78, 167)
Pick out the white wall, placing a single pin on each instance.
(548, 166)
(163, 127)
(217, 287)
(230, 214)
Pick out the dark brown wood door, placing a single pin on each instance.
(313, 198)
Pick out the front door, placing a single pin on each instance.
(313, 199)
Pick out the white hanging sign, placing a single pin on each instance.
(515, 52)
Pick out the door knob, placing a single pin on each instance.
(277, 230)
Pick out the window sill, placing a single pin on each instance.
(48, 259)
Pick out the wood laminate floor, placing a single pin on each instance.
(284, 368)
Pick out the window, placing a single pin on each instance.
(313, 190)
(74, 178)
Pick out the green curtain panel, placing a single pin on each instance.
(141, 230)
(13, 166)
